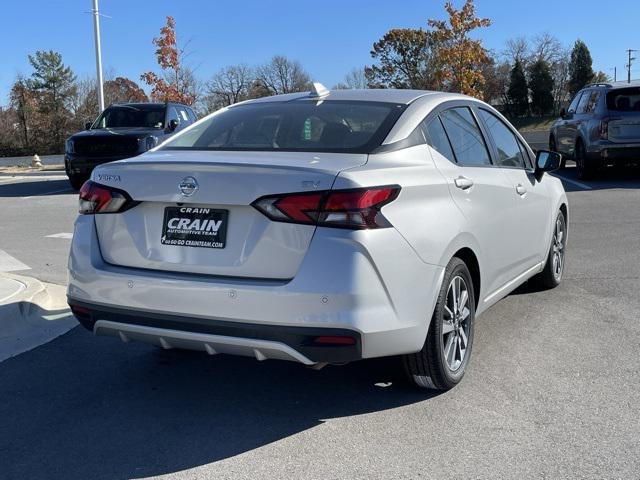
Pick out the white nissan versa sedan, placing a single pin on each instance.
(321, 227)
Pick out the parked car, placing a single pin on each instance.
(601, 127)
(123, 130)
(321, 227)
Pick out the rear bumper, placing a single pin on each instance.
(369, 285)
(612, 152)
(301, 344)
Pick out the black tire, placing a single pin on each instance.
(550, 277)
(76, 181)
(584, 167)
(429, 368)
(554, 148)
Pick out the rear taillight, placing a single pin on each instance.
(357, 208)
(603, 129)
(96, 198)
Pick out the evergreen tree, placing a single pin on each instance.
(54, 84)
(580, 67)
(541, 86)
(518, 92)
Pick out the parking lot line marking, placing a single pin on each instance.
(60, 235)
(48, 193)
(574, 182)
(11, 264)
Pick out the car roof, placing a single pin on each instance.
(390, 95)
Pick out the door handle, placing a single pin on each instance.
(463, 183)
(521, 189)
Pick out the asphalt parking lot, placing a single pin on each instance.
(552, 390)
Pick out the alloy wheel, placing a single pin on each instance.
(456, 323)
(559, 235)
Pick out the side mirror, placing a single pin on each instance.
(87, 126)
(173, 124)
(546, 161)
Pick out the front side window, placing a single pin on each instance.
(437, 138)
(509, 153)
(465, 136)
(302, 125)
(574, 103)
(128, 116)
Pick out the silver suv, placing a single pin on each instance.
(601, 127)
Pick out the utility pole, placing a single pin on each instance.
(96, 34)
(615, 74)
(631, 59)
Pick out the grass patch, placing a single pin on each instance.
(532, 124)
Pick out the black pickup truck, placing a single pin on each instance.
(123, 130)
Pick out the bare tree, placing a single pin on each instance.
(517, 49)
(230, 85)
(282, 75)
(356, 79)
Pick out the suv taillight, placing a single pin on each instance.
(96, 198)
(603, 129)
(356, 208)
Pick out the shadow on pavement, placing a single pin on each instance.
(43, 187)
(627, 177)
(85, 407)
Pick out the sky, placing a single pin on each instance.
(328, 37)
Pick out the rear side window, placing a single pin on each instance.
(465, 136)
(624, 99)
(593, 102)
(437, 138)
(302, 125)
(582, 105)
(509, 153)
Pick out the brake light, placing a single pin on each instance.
(357, 208)
(96, 198)
(603, 129)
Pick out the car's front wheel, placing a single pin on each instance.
(551, 276)
(584, 167)
(445, 355)
(554, 148)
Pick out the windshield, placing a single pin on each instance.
(121, 116)
(301, 125)
(624, 99)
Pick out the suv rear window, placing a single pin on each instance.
(301, 125)
(624, 99)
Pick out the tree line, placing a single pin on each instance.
(534, 76)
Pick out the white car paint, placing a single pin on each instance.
(382, 283)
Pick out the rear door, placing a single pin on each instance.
(480, 191)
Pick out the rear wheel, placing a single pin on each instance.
(551, 276)
(584, 167)
(445, 355)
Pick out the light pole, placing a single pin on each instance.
(96, 35)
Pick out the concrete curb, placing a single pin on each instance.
(31, 313)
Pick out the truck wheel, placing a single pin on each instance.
(76, 180)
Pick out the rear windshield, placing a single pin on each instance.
(128, 116)
(305, 126)
(624, 99)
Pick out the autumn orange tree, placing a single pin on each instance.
(461, 58)
(176, 84)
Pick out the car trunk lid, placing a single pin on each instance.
(245, 242)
